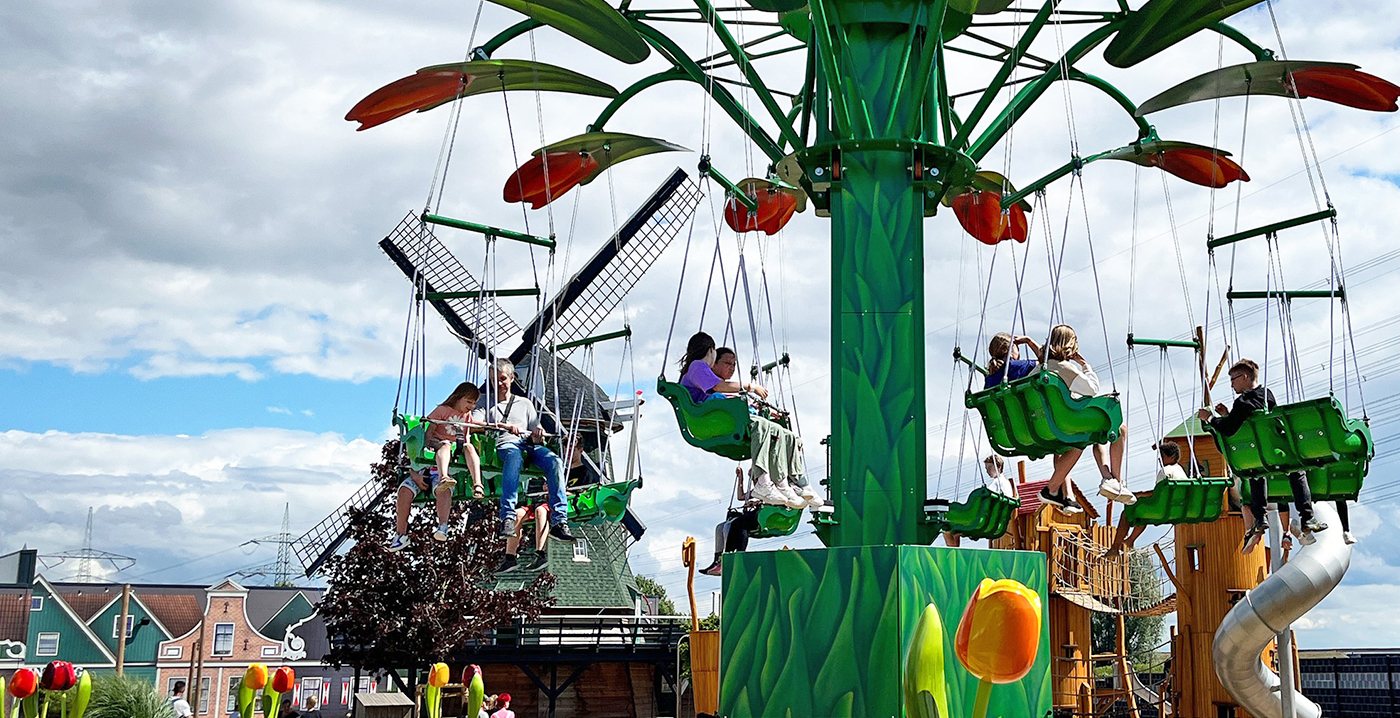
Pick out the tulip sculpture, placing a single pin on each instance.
(998, 636)
(282, 682)
(925, 689)
(476, 689)
(61, 684)
(254, 680)
(437, 678)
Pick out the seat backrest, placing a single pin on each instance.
(1296, 437)
(1180, 501)
(984, 514)
(1036, 416)
(776, 521)
(720, 426)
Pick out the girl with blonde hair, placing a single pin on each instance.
(1063, 357)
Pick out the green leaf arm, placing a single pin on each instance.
(675, 73)
(1116, 95)
(1004, 72)
(722, 96)
(1261, 54)
(488, 48)
(740, 56)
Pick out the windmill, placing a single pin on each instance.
(578, 309)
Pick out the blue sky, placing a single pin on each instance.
(196, 326)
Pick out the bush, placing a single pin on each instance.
(127, 697)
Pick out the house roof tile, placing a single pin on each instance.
(14, 614)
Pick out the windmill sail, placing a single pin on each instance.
(314, 547)
(418, 252)
(592, 293)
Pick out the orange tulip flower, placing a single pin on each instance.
(283, 680)
(1199, 166)
(256, 676)
(1344, 86)
(775, 208)
(439, 676)
(999, 633)
(416, 92)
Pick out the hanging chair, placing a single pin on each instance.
(601, 502)
(1180, 501)
(413, 434)
(719, 427)
(984, 515)
(1314, 436)
(776, 521)
(1036, 416)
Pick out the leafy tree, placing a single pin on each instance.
(393, 610)
(649, 587)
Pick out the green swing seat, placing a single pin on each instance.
(1313, 436)
(719, 427)
(601, 502)
(984, 515)
(413, 434)
(1180, 501)
(1036, 416)
(776, 521)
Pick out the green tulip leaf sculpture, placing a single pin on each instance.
(437, 678)
(925, 690)
(81, 695)
(998, 636)
(254, 680)
(476, 689)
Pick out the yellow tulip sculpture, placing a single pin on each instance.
(998, 636)
(437, 678)
(925, 689)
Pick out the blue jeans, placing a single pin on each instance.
(512, 457)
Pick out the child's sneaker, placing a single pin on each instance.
(508, 563)
(541, 560)
(713, 569)
(399, 543)
(1312, 525)
(441, 533)
(508, 527)
(1053, 499)
(810, 496)
(1348, 537)
(1071, 506)
(766, 492)
(793, 500)
(1110, 489)
(1252, 537)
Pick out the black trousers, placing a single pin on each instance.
(732, 534)
(1302, 496)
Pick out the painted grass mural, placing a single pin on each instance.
(875, 631)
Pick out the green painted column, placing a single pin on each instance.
(878, 417)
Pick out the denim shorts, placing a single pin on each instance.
(430, 475)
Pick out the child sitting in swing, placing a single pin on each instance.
(996, 481)
(777, 452)
(1063, 358)
(1171, 470)
(444, 436)
(1006, 363)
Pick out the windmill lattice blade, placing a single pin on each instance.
(317, 545)
(415, 249)
(597, 288)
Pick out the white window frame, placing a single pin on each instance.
(171, 681)
(39, 643)
(231, 700)
(36, 603)
(311, 686)
(581, 551)
(175, 651)
(204, 687)
(130, 624)
(215, 646)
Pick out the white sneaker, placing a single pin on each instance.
(1110, 489)
(1304, 537)
(398, 543)
(441, 533)
(1348, 537)
(793, 500)
(810, 496)
(765, 492)
(1126, 497)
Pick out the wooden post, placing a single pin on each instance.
(1201, 361)
(121, 628)
(1124, 667)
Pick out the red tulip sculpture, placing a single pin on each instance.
(24, 687)
(548, 176)
(776, 206)
(283, 680)
(980, 214)
(998, 636)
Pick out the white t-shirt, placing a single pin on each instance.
(1081, 379)
(181, 707)
(1171, 471)
(1001, 485)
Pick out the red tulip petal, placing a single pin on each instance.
(1345, 86)
(566, 171)
(980, 215)
(405, 95)
(784, 206)
(738, 217)
(1200, 166)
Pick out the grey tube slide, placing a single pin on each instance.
(1310, 574)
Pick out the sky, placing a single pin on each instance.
(197, 328)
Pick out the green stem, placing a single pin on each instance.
(1012, 58)
(984, 696)
(746, 67)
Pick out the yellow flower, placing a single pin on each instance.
(999, 633)
(256, 676)
(439, 675)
